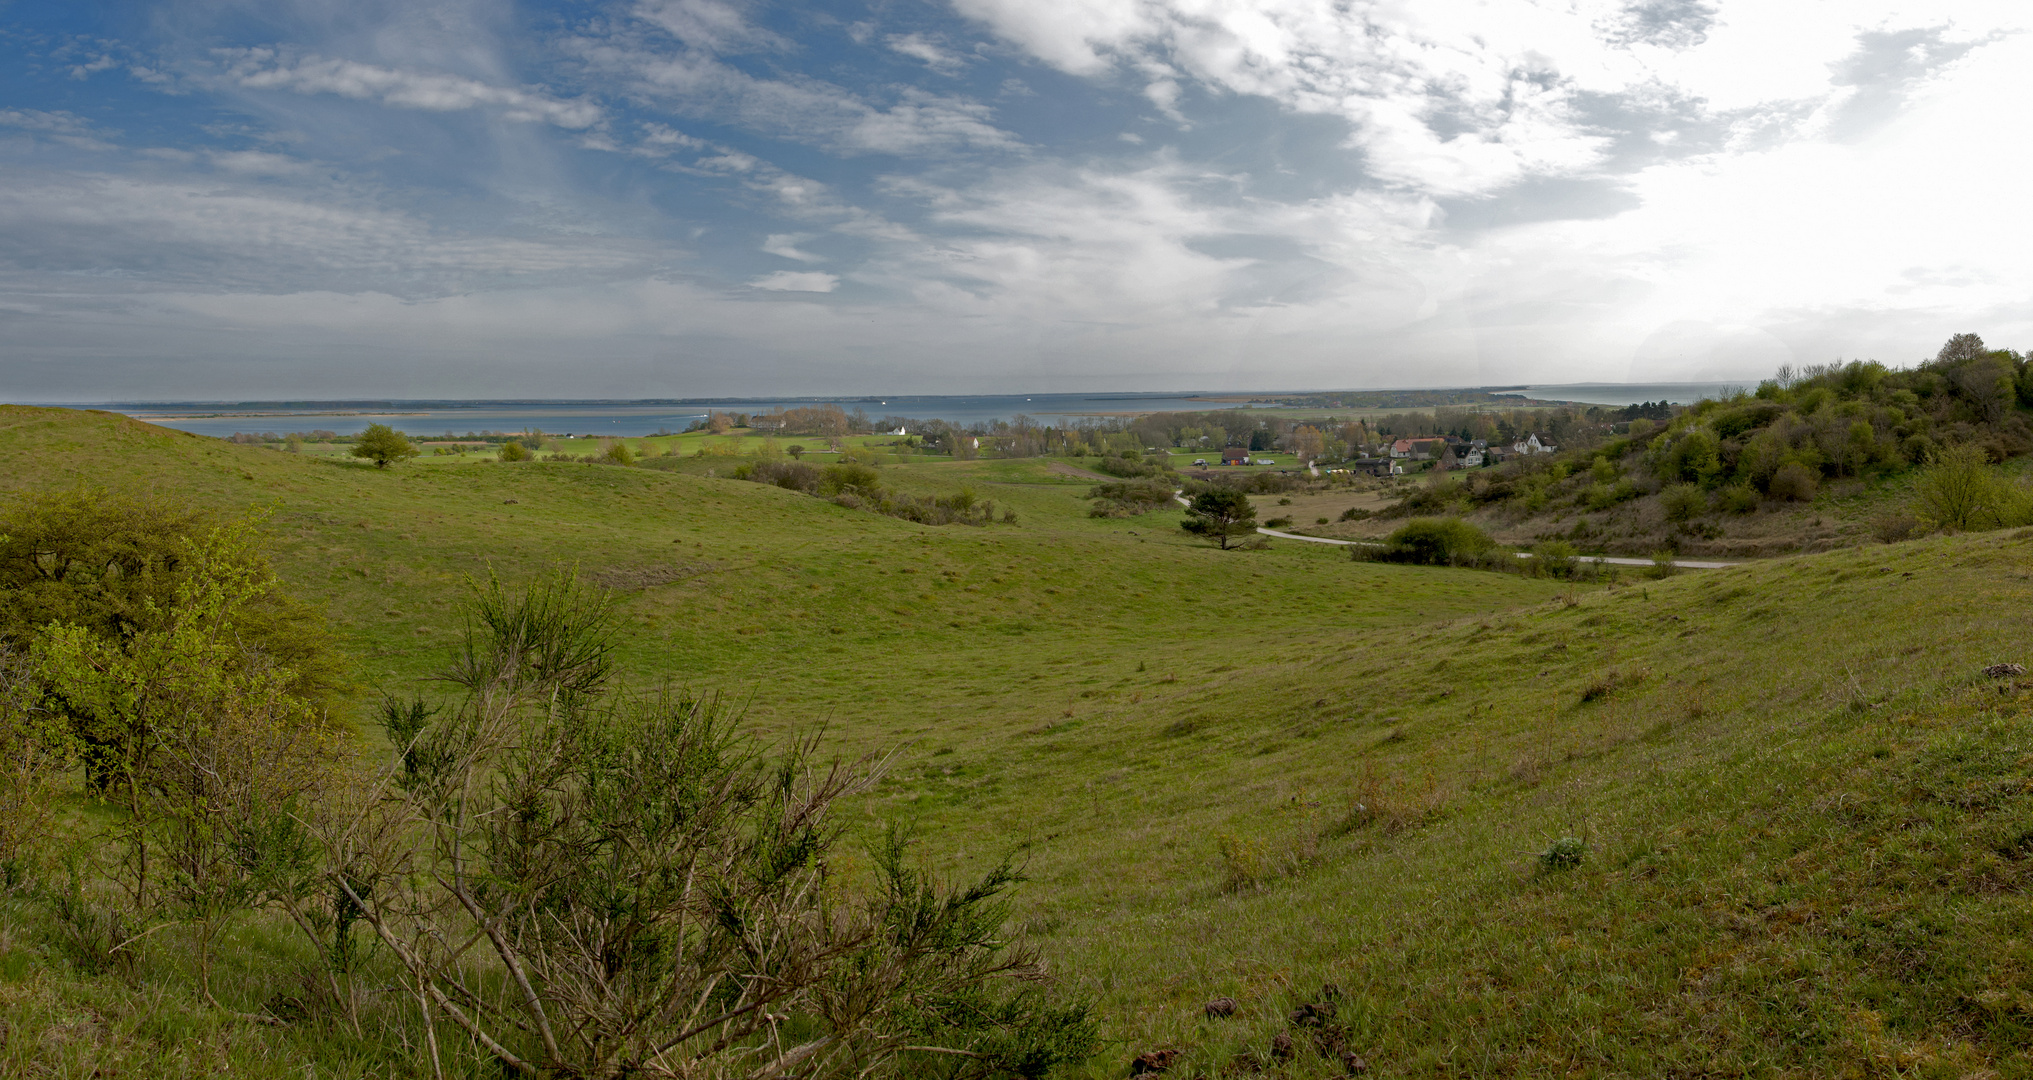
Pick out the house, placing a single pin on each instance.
(1377, 466)
(1235, 455)
(1418, 449)
(1530, 444)
(1472, 459)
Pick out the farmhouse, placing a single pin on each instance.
(1235, 455)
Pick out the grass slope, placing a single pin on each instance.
(1809, 836)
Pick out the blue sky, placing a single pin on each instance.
(310, 198)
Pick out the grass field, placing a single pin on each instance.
(1805, 811)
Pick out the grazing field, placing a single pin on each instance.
(1760, 821)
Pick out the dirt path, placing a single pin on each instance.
(1064, 469)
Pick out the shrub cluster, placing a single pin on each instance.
(1130, 468)
(1130, 497)
(859, 487)
(1780, 443)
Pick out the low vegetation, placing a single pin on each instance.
(860, 487)
(1282, 813)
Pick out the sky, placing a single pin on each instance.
(259, 199)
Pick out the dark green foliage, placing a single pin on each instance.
(790, 475)
(1565, 853)
(1682, 501)
(1736, 499)
(859, 487)
(1355, 513)
(383, 445)
(1798, 430)
(1435, 542)
(1129, 497)
(1131, 468)
(1220, 514)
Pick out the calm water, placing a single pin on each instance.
(637, 418)
(1631, 393)
(628, 418)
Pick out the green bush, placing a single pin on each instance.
(1565, 853)
(1958, 491)
(513, 451)
(1356, 513)
(1555, 557)
(1438, 542)
(848, 478)
(1736, 499)
(1682, 501)
(1129, 497)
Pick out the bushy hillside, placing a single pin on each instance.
(1710, 479)
(1772, 819)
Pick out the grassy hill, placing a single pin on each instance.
(1803, 809)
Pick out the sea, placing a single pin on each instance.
(637, 418)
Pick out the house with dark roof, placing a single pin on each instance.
(1235, 455)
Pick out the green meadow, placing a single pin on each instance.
(1796, 817)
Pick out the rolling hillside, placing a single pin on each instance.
(1801, 807)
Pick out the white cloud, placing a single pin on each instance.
(271, 69)
(696, 83)
(924, 50)
(1457, 98)
(262, 237)
(797, 281)
(785, 245)
(259, 163)
(710, 25)
(58, 126)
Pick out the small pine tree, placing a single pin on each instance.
(1220, 514)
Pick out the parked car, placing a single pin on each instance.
(1200, 461)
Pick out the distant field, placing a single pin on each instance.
(1803, 807)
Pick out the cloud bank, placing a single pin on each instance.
(705, 197)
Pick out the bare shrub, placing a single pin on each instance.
(657, 893)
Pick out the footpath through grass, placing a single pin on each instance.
(1804, 810)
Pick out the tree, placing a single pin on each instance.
(796, 451)
(383, 445)
(112, 568)
(217, 756)
(513, 451)
(1958, 491)
(1959, 348)
(1220, 514)
(618, 454)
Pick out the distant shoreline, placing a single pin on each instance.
(168, 418)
